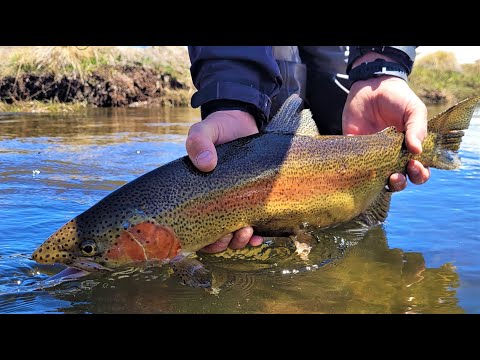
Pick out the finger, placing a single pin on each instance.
(417, 173)
(200, 146)
(255, 240)
(416, 127)
(219, 245)
(397, 182)
(241, 238)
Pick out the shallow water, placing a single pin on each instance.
(424, 259)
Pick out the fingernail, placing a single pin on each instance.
(419, 144)
(414, 171)
(204, 157)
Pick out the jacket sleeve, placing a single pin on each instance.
(247, 74)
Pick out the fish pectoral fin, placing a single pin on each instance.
(191, 272)
(303, 243)
(377, 212)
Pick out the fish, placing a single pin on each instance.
(284, 181)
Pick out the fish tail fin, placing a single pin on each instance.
(445, 132)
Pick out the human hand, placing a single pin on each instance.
(218, 128)
(376, 103)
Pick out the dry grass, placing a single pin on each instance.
(81, 61)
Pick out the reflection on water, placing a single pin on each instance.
(54, 167)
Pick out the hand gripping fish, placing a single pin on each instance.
(282, 181)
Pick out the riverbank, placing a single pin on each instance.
(70, 79)
(438, 78)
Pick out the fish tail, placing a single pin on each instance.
(445, 132)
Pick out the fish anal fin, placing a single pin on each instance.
(377, 212)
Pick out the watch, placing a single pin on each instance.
(377, 68)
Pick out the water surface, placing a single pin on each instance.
(424, 259)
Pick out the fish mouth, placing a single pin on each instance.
(67, 274)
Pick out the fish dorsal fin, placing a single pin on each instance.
(289, 121)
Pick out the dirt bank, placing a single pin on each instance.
(41, 77)
(117, 86)
(102, 76)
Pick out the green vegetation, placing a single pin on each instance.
(438, 78)
(70, 78)
(36, 106)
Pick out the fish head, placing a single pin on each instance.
(99, 240)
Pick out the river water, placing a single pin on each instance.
(424, 259)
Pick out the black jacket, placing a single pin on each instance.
(258, 79)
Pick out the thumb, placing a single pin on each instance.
(200, 146)
(416, 127)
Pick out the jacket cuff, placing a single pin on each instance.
(403, 55)
(218, 105)
(233, 91)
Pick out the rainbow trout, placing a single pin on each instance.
(286, 180)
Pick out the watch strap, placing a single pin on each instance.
(377, 68)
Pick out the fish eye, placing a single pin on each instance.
(88, 247)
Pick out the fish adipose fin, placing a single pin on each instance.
(377, 212)
(289, 121)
